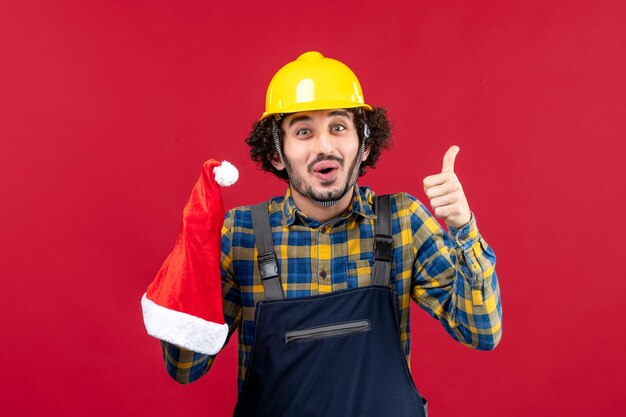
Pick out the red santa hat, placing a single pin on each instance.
(183, 304)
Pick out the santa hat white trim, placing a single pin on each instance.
(183, 329)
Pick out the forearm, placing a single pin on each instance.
(476, 318)
(475, 314)
(457, 284)
(183, 365)
(186, 366)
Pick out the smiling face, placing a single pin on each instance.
(321, 150)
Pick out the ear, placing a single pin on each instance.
(276, 162)
(366, 152)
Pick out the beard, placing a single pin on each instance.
(298, 183)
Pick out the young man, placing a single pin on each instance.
(318, 282)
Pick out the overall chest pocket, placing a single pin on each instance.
(330, 330)
(359, 273)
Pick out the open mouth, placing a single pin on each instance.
(326, 171)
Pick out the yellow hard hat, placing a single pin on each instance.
(313, 82)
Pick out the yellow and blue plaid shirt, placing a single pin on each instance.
(451, 276)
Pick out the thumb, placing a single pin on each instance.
(448, 159)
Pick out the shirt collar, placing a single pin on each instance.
(361, 205)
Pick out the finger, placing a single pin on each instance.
(444, 200)
(448, 212)
(441, 212)
(448, 159)
(438, 179)
(443, 189)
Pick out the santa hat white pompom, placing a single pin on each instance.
(226, 174)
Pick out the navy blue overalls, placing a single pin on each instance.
(336, 354)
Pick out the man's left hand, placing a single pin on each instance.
(446, 193)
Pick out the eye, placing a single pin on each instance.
(303, 132)
(338, 128)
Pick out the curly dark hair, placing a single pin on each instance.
(262, 148)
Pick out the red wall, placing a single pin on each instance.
(108, 108)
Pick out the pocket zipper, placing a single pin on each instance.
(331, 330)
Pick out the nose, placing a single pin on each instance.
(325, 143)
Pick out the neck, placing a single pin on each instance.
(321, 214)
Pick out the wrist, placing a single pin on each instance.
(460, 221)
(466, 235)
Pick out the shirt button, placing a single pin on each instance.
(323, 229)
(323, 274)
(463, 236)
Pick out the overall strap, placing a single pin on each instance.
(266, 260)
(381, 274)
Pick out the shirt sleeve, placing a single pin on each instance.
(186, 366)
(454, 279)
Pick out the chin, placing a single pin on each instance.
(327, 194)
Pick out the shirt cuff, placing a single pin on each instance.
(466, 235)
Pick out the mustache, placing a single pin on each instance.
(322, 158)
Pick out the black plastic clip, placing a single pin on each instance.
(268, 267)
(383, 246)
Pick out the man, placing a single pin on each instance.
(320, 295)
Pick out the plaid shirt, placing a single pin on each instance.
(451, 276)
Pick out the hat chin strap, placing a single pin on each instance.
(296, 185)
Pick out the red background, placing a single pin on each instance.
(108, 108)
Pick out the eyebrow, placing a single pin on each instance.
(298, 119)
(343, 113)
(295, 120)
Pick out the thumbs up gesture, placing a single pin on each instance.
(446, 194)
